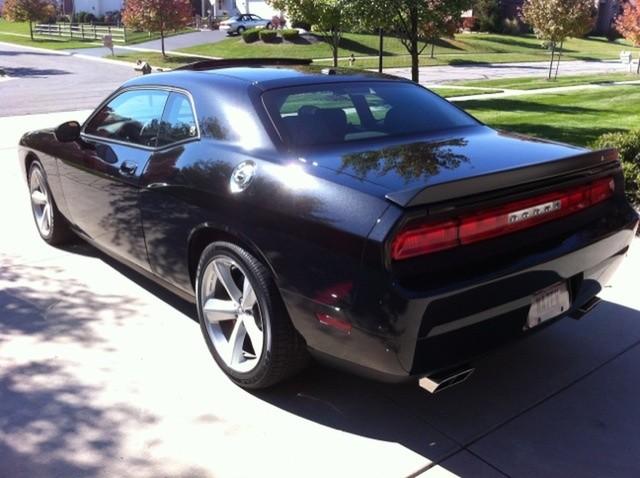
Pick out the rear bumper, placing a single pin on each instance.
(399, 333)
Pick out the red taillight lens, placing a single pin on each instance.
(422, 239)
(425, 239)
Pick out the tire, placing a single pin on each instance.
(269, 26)
(50, 223)
(239, 30)
(283, 352)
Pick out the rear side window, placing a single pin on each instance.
(178, 122)
(338, 113)
(132, 117)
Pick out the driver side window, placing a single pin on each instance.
(131, 117)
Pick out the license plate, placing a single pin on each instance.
(548, 303)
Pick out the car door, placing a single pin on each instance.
(164, 215)
(256, 21)
(101, 181)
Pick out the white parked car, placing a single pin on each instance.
(242, 22)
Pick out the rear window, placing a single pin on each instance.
(339, 113)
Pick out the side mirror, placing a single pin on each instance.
(67, 132)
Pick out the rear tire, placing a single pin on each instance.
(243, 319)
(240, 30)
(50, 223)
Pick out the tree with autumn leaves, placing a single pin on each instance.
(556, 20)
(160, 16)
(28, 11)
(628, 24)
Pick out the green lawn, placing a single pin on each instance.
(464, 48)
(18, 33)
(577, 117)
(537, 82)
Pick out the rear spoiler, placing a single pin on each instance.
(584, 164)
(214, 64)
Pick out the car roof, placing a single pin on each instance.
(262, 76)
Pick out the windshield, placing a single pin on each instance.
(338, 113)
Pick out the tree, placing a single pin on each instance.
(628, 24)
(488, 13)
(371, 17)
(420, 21)
(28, 11)
(328, 17)
(556, 20)
(157, 15)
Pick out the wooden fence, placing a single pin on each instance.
(81, 31)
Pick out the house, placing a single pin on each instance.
(219, 8)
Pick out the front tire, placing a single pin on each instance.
(50, 223)
(243, 319)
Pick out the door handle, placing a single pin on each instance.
(128, 168)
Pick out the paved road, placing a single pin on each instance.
(170, 43)
(102, 374)
(44, 81)
(444, 74)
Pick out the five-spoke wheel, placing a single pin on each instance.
(40, 203)
(232, 314)
(243, 318)
(51, 224)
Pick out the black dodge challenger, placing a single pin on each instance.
(355, 217)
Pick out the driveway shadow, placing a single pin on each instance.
(25, 52)
(48, 421)
(28, 72)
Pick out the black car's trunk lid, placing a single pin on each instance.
(424, 170)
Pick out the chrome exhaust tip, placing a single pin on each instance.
(585, 308)
(439, 381)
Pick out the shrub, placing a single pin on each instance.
(268, 36)
(290, 35)
(488, 14)
(251, 36)
(470, 24)
(628, 145)
(301, 24)
(511, 26)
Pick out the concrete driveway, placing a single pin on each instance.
(102, 374)
(47, 81)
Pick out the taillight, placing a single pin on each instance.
(425, 238)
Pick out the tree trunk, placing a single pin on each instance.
(558, 60)
(380, 50)
(415, 65)
(162, 41)
(415, 52)
(638, 70)
(433, 49)
(30, 30)
(553, 53)
(335, 45)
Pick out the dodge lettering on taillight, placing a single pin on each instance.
(538, 210)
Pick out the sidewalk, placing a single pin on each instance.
(506, 93)
(440, 75)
